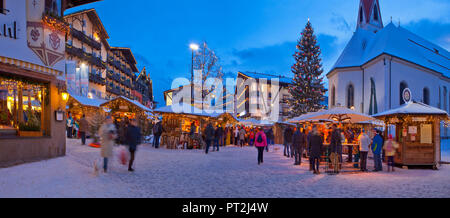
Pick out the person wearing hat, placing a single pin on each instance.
(364, 143)
(107, 137)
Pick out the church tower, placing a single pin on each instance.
(369, 16)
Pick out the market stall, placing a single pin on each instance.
(416, 127)
(344, 117)
(79, 105)
(123, 108)
(177, 125)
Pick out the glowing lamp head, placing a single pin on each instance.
(194, 46)
(65, 96)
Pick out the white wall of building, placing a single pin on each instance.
(18, 48)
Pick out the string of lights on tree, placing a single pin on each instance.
(307, 89)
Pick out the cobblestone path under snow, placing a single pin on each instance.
(230, 173)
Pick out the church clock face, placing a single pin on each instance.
(407, 95)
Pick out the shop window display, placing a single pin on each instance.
(22, 104)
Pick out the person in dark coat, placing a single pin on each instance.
(157, 132)
(298, 142)
(217, 137)
(288, 142)
(308, 139)
(316, 146)
(133, 139)
(83, 128)
(209, 136)
(336, 147)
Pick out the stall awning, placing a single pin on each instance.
(135, 103)
(186, 109)
(255, 122)
(417, 108)
(85, 101)
(338, 114)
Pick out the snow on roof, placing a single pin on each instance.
(187, 110)
(413, 108)
(87, 101)
(366, 45)
(282, 79)
(138, 104)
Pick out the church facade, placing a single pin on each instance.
(381, 61)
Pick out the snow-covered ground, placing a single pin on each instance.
(230, 173)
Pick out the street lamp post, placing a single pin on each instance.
(194, 47)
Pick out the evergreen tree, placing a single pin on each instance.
(307, 89)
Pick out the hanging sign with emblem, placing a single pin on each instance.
(45, 34)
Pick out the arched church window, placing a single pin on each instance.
(350, 96)
(333, 96)
(426, 96)
(403, 86)
(445, 99)
(361, 15)
(373, 107)
(375, 13)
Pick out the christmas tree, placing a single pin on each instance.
(307, 89)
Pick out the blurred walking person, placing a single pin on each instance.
(390, 147)
(108, 134)
(133, 138)
(260, 143)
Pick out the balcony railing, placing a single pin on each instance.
(113, 90)
(96, 79)
(78, 52)
(86, 39)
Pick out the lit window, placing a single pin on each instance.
(22, 103)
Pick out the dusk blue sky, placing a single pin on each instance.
(249, 35)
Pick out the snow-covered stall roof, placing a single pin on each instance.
(366, 45)
(413, 108)
(255, 122)
(281, 78)
(85, 101)
(187, 110)
(136, 103)
(338, 114)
